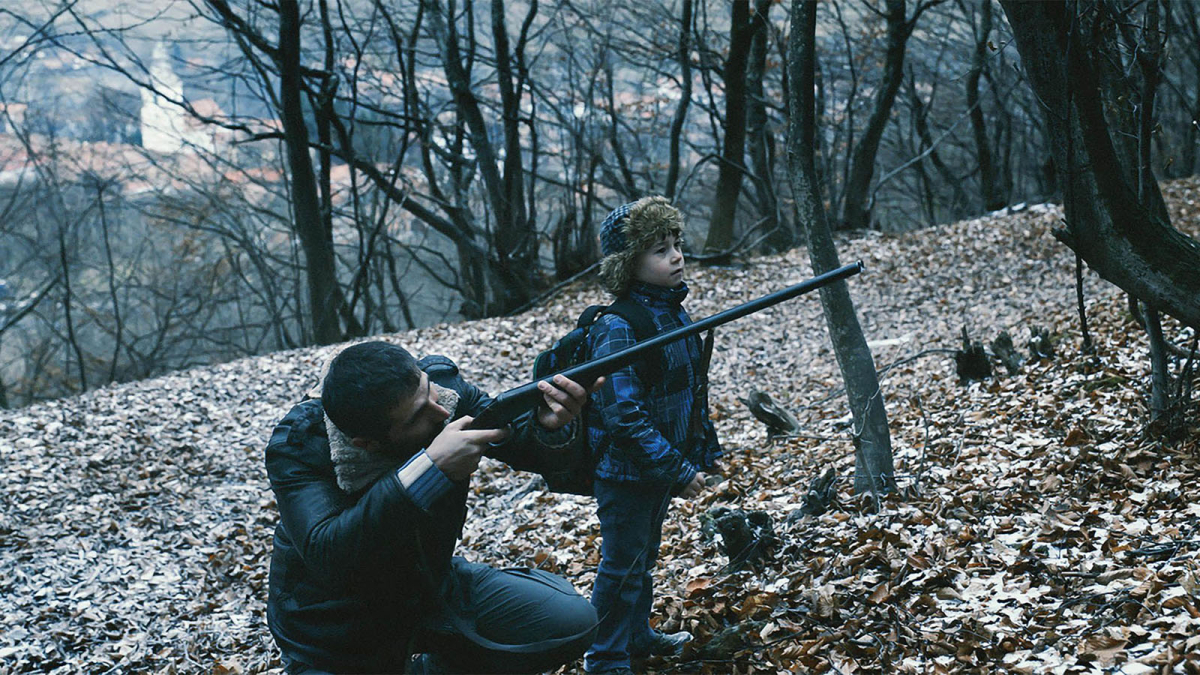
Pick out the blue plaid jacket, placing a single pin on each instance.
(640, 429)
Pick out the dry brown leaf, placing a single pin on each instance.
(1104, 648)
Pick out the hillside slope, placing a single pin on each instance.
(1043, 530)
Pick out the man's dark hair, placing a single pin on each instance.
(365, 381)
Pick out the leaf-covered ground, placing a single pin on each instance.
(1041, 527)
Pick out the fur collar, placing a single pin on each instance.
(357, 468)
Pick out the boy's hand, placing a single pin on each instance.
(456, 450)
(562, 401)
(693, 488)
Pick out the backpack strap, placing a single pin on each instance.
(639, 318)
(695, 419)
(642, 322)
(590, 315)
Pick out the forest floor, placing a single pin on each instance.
(1041, 525)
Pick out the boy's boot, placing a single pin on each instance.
(662, 644)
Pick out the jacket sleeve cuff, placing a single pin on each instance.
(422, 479)
(687, 471)
(559, 438)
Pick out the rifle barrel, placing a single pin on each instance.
(510, 404)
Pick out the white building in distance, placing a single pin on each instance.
(167, 127)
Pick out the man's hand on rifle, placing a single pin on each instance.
(562, 401)
(456, 450)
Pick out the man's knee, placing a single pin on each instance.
(524, 621)
(567, 612)
(578, 615)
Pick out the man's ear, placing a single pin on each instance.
(368, 444)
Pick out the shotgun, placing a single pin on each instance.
(508, 406)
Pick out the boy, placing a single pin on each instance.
(653, 439)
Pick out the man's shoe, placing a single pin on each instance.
(663, 644)
(427, 664)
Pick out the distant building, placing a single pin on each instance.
(167, 127)
(112, 116)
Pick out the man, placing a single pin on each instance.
(371, 483)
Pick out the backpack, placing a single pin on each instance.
(572, 349)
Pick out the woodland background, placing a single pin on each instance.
(214, 196)
(188, 182)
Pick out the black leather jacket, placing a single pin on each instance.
(353, 574)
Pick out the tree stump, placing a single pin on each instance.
(1041, 343)
(747, 538)
(1003, 348)
(822, 493)
(971, 362)
(779, 421)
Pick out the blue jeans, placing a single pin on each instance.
(631, 517)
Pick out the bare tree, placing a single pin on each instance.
(733, 147)
(988, 187)
(684, 58)
(874, 470)
(855, 214)
(1184, 80)
(760, 140)
(1126, 239)
(307, 209)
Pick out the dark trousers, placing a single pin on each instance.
(500, 621)
(631, 518)
(507, 621)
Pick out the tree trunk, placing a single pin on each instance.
(959, 201)
(67, 302)
(733, 149)
(874, 470)
(324, 113)
(1129, 245)
(762, 148)
(855, 214)
(1185, 29)
(1150, 63)
(1160, 376)
(306, 206)
(628, 184)
(118, 323)
(983, 152)
(685, 98)
(514, 240)
(1190, 137)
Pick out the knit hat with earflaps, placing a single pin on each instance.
(630, 230)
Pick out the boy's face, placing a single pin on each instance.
(661, 264)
